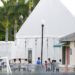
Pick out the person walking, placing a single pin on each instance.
(53, 65)
(25, 65)
(38, 64)
(58, 65)
(46, 64)
(49, 64)
(30, 66)
(38, 61)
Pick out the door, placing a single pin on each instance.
(30, 56)
(67, 55)
(63, 54)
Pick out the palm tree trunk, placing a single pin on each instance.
(15, 29)
(6, 36)
(30, 6)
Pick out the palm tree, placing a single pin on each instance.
(5, 21)
(11, 18)
(13, 14)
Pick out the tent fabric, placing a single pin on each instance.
(58, 21)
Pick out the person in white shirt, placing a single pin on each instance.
(49, 64)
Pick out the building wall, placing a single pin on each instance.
(20, 47)
(5, 49)
(72, 53)
(34, 44)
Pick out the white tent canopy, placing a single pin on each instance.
(58, 20)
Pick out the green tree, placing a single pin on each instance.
(12, 16)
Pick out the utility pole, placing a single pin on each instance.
(42, 44)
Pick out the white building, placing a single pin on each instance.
(6, 48)
(68, 50)
(58, 22)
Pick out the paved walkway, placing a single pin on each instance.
(52, 73)
(44, 73)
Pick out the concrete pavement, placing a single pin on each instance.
(38, 73)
